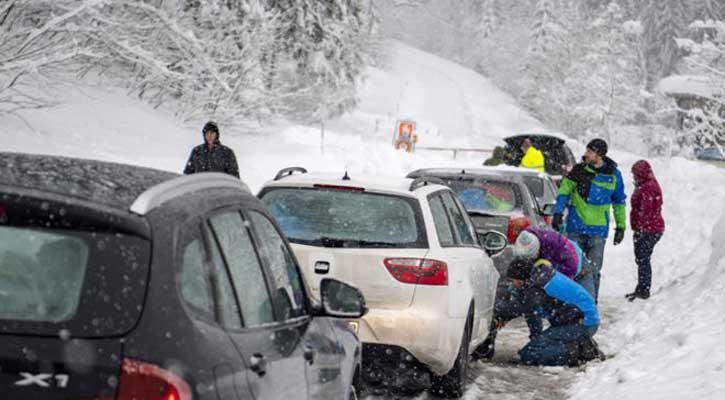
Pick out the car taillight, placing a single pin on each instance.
(142, 381)
(516, 225)
(418, 271)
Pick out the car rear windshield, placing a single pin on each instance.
(346, 218)
(486, 196)
(57, 275)
(539, 188)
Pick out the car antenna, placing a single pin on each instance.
(346, 177)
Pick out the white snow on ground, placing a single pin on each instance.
(669, 347)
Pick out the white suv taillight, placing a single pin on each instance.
(418, 271)
(140, 380)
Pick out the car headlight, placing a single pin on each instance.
(354, 325)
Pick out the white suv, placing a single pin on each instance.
(411, 248)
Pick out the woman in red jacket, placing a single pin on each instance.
(647, 224)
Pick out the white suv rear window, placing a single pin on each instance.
(345, 218)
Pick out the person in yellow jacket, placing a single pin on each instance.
(533, 158)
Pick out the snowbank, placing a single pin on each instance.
(670, 346)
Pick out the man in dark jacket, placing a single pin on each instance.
(212, 156)
(571, 311)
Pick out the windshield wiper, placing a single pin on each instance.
(326, 241)
(479, 213)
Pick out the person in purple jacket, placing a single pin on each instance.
(532, 244)
(563, 253)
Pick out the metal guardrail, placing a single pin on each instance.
(455, 150)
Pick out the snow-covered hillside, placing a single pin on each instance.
(669, 347)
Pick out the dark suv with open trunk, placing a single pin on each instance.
(120, 282)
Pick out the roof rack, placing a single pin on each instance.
(163, 192)
(425, 180)
(289, 171)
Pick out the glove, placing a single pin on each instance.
(556, 222)
(618, 236)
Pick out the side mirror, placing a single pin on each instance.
(341, 300)
(493, 242)
(548, 209)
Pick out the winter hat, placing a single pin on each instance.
(598, 146)
(642, 171)
(527, 246)
(520, 268)
(211, 125)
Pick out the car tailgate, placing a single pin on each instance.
(362, 268)
(58, 367)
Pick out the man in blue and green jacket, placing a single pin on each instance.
(588, 192)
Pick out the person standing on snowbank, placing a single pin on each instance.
(212, 156)
(647, 223)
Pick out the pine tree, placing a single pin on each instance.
(488, 20)
(607, 72)
(708, 10)
(664, 20)
(546, 30)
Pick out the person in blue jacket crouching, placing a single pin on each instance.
(569, 308)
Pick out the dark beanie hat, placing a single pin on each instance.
(520, 268)
(210, 126)
(598, 146)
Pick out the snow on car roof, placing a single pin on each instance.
(557, 135)
(378, 183)
(504, 172)
(111, 184)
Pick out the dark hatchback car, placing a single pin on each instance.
(120, 282)
(558, 157)
(495, 199)
(541, 187)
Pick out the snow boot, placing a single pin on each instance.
(572, 354)
(589, 350)
(486, 349)
(637, 294)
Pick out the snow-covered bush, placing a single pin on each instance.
(207, 59)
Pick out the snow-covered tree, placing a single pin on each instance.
(663, 20)
(704, 124)
(213, 58)
(608, 72)
(33, 49)
(546, 31)
(488, 20)
(708, 10)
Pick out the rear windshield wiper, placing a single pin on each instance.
(478, 213)
(326, 241)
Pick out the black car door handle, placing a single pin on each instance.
(322, 267)
(309, 355)
(258, 364)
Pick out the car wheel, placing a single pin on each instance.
(453, 384)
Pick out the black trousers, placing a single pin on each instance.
(644, 244)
